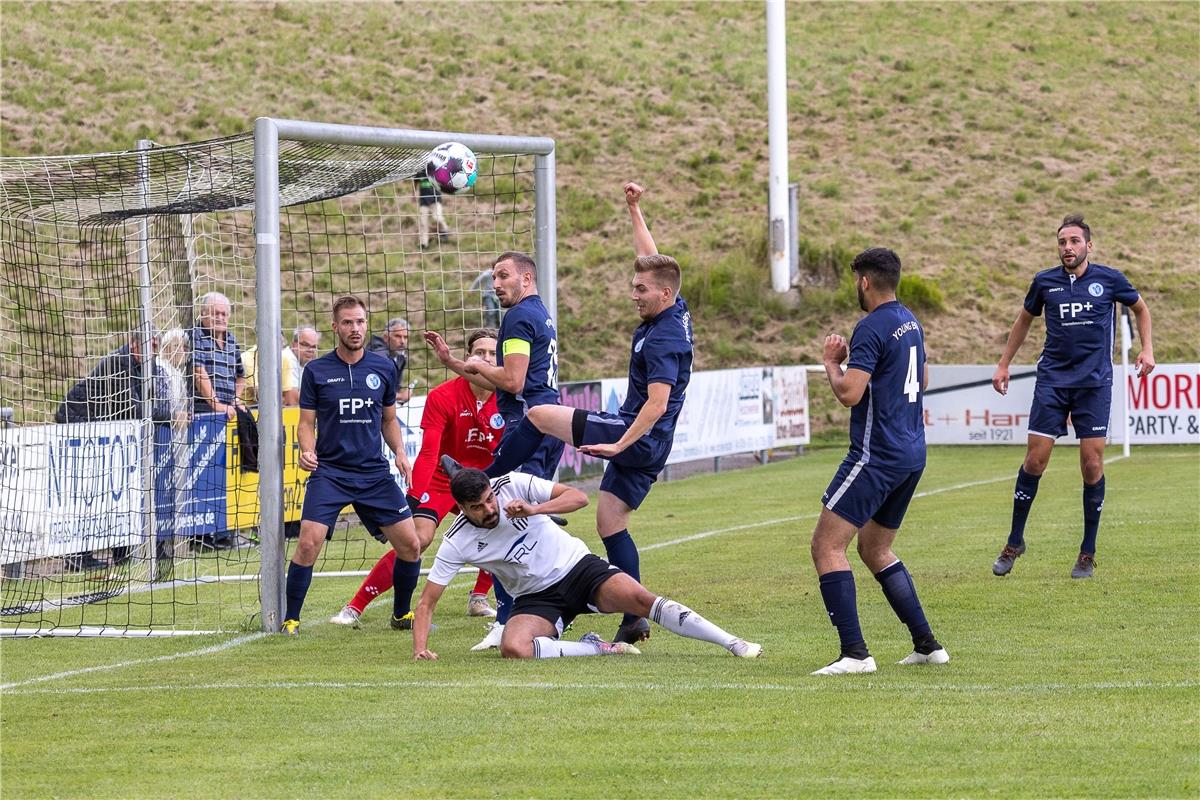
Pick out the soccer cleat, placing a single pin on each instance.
(557, 520)
(1008, 555)
(494, 632)
(743, 649)
(610, 648)
(347, 616)
(450, 466)
(939, 656)
(404, 623)
(636, 631)
(1085, 565)
(477, 606)
(847, 666)
(290, 627)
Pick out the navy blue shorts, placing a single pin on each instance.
(544, 462)
(1089, 409)
(634, 470)
(378, 501)
(861, 493)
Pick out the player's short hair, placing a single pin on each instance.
(663, 269)
(347, 301)
(524, 261)
(879, 264)
(468, 485)
(1076, 221)
(480, 333)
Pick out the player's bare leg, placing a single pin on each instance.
(875, 549)
(379, 580)
(832, 536)
(1091, 466)
(1037, 457)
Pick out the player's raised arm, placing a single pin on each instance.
(563, 500)
(1016, 338)
(849, 386)
(643, 242)
(457, 365)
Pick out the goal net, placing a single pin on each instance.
(129, 503)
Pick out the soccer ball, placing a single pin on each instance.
(453, 167)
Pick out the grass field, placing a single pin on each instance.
(1055, 688)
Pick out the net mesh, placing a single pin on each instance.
(125, 502)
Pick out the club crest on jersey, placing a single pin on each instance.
(425, 497)
(497, 422)
(637, 347)
(1095, 290)
(373, 381)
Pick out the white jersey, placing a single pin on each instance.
(527, 555)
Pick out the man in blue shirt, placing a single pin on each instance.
(883, 385)
(636, 441)
(1074, 378)
(349, 397)
(220, 376)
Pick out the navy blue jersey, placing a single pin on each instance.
(887, 427)
(661, 353)
(527, 330)
(349, 401)
(1079, 323)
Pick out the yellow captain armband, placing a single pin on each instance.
(516, 347)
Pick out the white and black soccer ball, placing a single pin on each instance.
(453, 167)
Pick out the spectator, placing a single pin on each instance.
(394, 344)
(217, 366)
(305, 341)
(249, 395)
(429, 203)
(174, 358)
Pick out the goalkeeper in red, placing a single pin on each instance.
(461, 420)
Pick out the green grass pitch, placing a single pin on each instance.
(1056, 688)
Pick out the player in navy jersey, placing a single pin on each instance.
(524, 376)
(883, 385)
(347, 403)
(636, 441)
(1074, 378)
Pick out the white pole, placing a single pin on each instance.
(777, 199)
(1122, 315)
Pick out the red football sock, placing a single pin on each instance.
(378, 581)
(483, 583)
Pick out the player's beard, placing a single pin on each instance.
(349, 345)
(1076, 261)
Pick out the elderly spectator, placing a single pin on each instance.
(217, 366)
(305, 341)
(174, 357)
(394, 344)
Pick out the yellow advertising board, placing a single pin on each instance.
(242, 486)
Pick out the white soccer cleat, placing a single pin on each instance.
(477, 606)
(609, 648)
(743, 649)
(347, 616)
(847, 666)
(939, 656)
(495, 632)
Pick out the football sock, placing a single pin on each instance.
(1026, 490)
(623, 553)
(504, 601)
(545, 647)
(298, 579)
(378, 581)
(898, 588)
(483, 582)
(515, 449)
(1093, 503)
(678, 618)
(841, 601)
(404, 578)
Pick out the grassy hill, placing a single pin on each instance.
(957, 134)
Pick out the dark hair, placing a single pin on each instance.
(664, 269)
(524, 261)
(1076, 221)
(468, 485)
(347, 301)
(480, 333)
(879, 264)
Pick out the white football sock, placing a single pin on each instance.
(678, 618)
(545, 647)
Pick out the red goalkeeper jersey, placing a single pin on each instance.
(454, 423)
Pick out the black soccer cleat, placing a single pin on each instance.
(1008, 555)
(557, 520)
(450, 466)
(636, 631)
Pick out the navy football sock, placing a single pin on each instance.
(901, 594)
(504, 600)
(1026, 490)
(1093, 504)
(404, 583)
(515, 449)
(623, 553)
(837, 590)
(298, 579)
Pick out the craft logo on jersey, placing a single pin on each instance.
(372, 381)
(1095, 290)
(497, 422)
(637, 347)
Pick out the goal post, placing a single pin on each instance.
(268, 133)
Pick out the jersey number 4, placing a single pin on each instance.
(912, 382)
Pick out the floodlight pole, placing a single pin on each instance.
(778, 244)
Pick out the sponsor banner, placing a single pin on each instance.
(790, 389)
(962, 408)
(201, 494)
